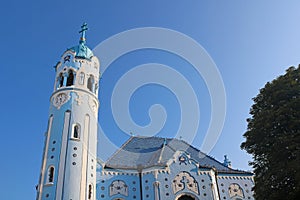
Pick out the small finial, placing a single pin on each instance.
(132, 134)
(227, 162)
(84, 28)
(165, 141)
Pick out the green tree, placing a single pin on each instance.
(273, 138)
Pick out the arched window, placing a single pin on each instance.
(70, 80)
(50, 174)
(76, 131)
(81, 78)
(90, 192)
(60, 80)
(90, 84)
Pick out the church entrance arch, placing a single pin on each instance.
(186, 197)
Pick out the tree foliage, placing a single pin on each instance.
(273, 138)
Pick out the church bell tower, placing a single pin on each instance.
(68, 169)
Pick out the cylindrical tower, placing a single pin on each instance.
(69, 160)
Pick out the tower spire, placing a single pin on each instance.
(84, 28)
(69, 167)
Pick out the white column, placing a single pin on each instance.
(156, 190)
(61, 170)
(45, 158)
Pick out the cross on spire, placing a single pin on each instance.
(84, 28)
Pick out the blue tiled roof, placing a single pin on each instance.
(145, 152)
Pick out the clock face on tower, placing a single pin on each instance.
(60, 99)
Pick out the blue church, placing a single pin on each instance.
(144, 168)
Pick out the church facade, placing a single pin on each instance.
(144, 168)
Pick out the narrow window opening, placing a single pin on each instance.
(76, 131)
(90, 193)
(60, 80)
(90, 84)
(70, 79)
(50, 174)
(96, 87)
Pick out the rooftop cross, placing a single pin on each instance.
(84, 28)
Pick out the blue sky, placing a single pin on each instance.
(251, 43)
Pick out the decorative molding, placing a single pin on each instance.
(60, 99)
(235, 190)
(184, 180)
(118, 187)
(156, 190)
(155, 173)
(79, 98)
(96, 63)
(93, 105)
(156, 183)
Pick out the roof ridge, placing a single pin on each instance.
(159, 151)
(172, 149)
(171, 140)
(162, 150)
(160, 155)
(154, 155)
